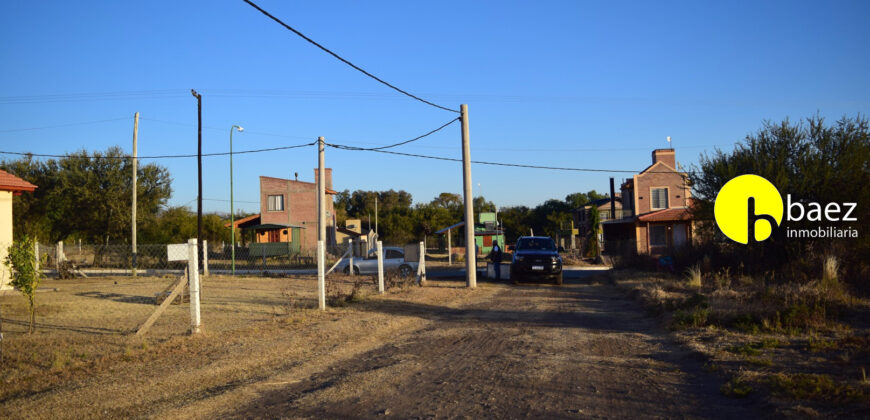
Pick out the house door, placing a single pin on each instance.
(680, 235)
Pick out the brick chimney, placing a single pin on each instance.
(328, 172)
(666, 156)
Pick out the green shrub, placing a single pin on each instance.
(21, 260)
(736, 388)
(808, 386)
(693, 318)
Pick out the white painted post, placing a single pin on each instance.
(59, 255)
(350, 259)
(193, 285)
(204, 257)
(380, 267)
(36, 254)
(321, 277)
(421, 266)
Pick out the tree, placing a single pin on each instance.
(808, 160)
(86, 196)
(593, 248)
(21, 260)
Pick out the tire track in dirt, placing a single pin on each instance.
(580, 350)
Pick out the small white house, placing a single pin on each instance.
(10, 185)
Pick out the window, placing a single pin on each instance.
(275, 203)
(659, 198)
(658, 236)
(393, 254)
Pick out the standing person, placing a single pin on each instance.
(495, 257)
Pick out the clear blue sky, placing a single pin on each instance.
(567, 83)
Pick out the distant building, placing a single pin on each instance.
(656, 217)
(10, 185)
(288, 215)
(486, 233)
(583, 214)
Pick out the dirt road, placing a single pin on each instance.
(577, 351)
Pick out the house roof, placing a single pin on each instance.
(667, 215)
(349, 232)
(269, 226)
(242, 221)
(9, 182)
(460, 224)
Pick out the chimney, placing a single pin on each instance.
(328, 173)
(666, 156)
(612, 200)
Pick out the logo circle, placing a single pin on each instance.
(734, 213)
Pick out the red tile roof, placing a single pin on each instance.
(9, 182)
(667, 215)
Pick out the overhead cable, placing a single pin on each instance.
(290, 28)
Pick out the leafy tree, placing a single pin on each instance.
(21, 260)
(86, 196)
(811, 161)
(593, 248)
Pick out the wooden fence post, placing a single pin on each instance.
(204, 257)
(421, 265)
(380, 267)
(321, 276)
(350, 262)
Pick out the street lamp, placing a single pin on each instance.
(232, 206)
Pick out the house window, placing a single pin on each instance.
(658, 235)
(275, 203)
(659, 198)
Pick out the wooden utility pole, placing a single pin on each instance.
(198, 168)
(135, 176)
(470, 256)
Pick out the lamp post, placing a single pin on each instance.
(232, 204)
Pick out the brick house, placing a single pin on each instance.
(288, 214)
(656, 218)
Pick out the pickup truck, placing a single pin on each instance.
(394, 258)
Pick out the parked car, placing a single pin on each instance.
(394, 258)
(536, 257)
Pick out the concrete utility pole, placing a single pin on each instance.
(135, 176)
(321, 192)
(470, 256)
(199, 168)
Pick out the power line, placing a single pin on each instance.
(400, 143)
(224, 129)
(271, 149)
(514, 165)
(99, 96)
(63, 125)
(343, 60)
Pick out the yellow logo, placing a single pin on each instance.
(747, 209)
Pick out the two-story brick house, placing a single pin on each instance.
(288, 213)
(655, 204)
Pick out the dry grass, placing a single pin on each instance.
(83, 361)
(787, 341)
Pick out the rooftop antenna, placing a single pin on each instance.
(669, 143)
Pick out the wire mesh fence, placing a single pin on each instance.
(80, 259)
(158, 259)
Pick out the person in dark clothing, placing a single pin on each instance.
(495, 256)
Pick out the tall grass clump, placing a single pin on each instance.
(693, 276)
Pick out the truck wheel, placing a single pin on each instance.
(559, 279)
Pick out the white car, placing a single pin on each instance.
(394, 258)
